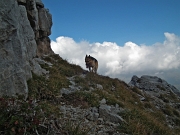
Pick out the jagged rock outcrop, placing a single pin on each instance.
(154, 84)
(24, 32)
(156, 91)
(41, 22)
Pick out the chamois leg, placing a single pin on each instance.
(89, 69)
(95, 70)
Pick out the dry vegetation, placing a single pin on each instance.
(40, 112)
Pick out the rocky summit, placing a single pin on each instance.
(153, 84)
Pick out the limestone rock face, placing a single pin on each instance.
(41, 22)
(39, 3)
(45, 24)
(20, 34)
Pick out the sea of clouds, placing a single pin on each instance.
(117, 61)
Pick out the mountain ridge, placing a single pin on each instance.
(41, 93)
(152, 83)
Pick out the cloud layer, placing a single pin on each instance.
(160, 59)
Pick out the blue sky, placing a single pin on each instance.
(120, 21)
(127, 37)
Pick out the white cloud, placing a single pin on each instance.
(127, 60)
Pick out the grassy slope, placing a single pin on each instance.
(45, 101)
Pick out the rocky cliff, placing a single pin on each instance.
(24, 30)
